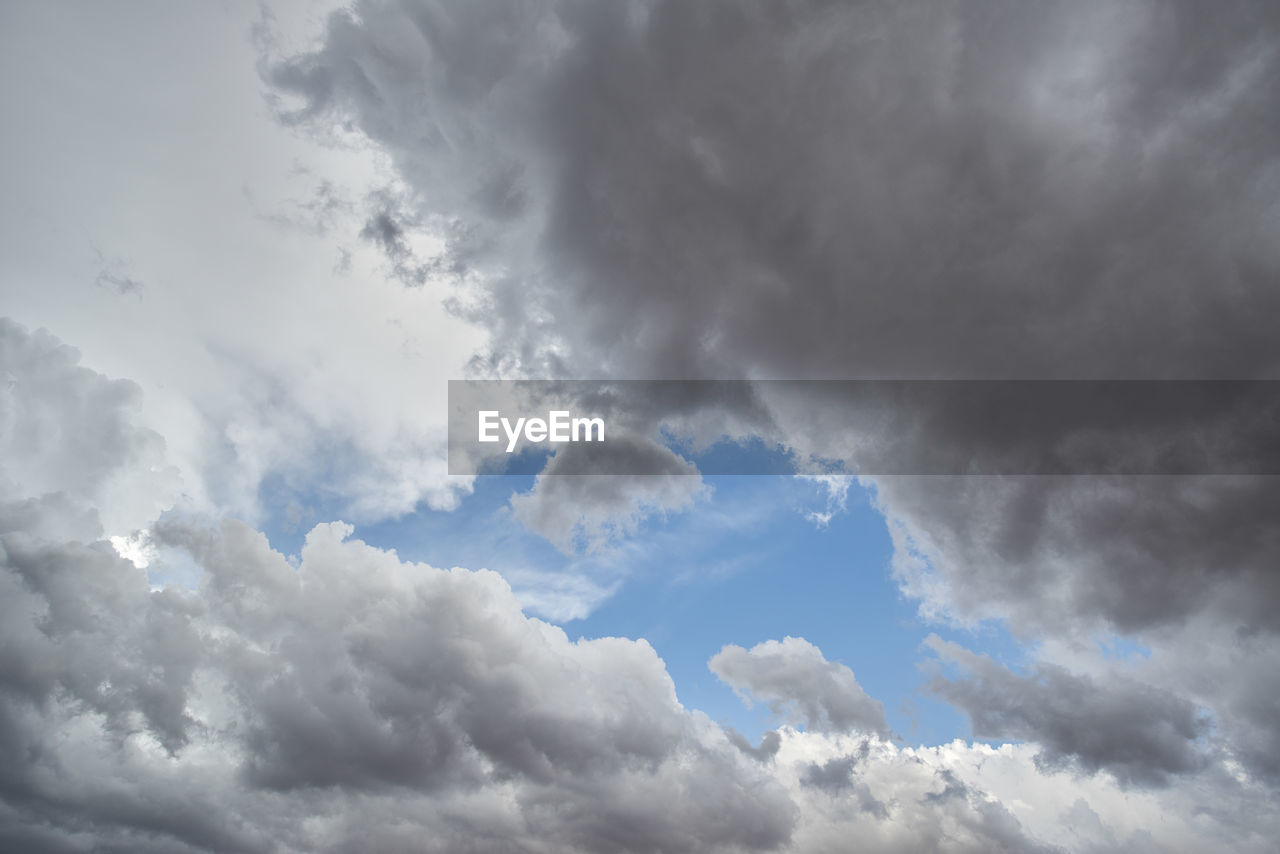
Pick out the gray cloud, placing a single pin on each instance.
(838, 774)
(955, 191)
(765, 750)
(1134, 553)
(838, 777)
(383, 228)
(1139, 733)
(354, 675)
(353, 679)
(792, 675)
(585, 512)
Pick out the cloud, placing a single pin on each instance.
(308, 705)
(765, 750)
(1135, 553)
(1180, 564)
(585, 512)
(792, 674)
(955, 193)
(270, 374)
(359, 700)
(1139, 733)
(840, 775)
(69, 433)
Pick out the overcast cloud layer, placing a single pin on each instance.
(649, 190)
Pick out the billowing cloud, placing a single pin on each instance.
(983, 189)
(792, 675)
(357, 700)
(304, 704)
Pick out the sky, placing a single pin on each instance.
(244, 605)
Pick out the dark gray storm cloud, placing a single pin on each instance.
(982, 190)
(813, 189)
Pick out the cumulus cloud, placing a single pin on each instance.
(792, 675)
(1181, 564)
(1134, 553)
(359, 701)
(353, 687)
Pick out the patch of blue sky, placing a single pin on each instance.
(745, 564)
(1117, 648)
(751, 455)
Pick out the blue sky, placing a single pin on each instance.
(747, 564)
